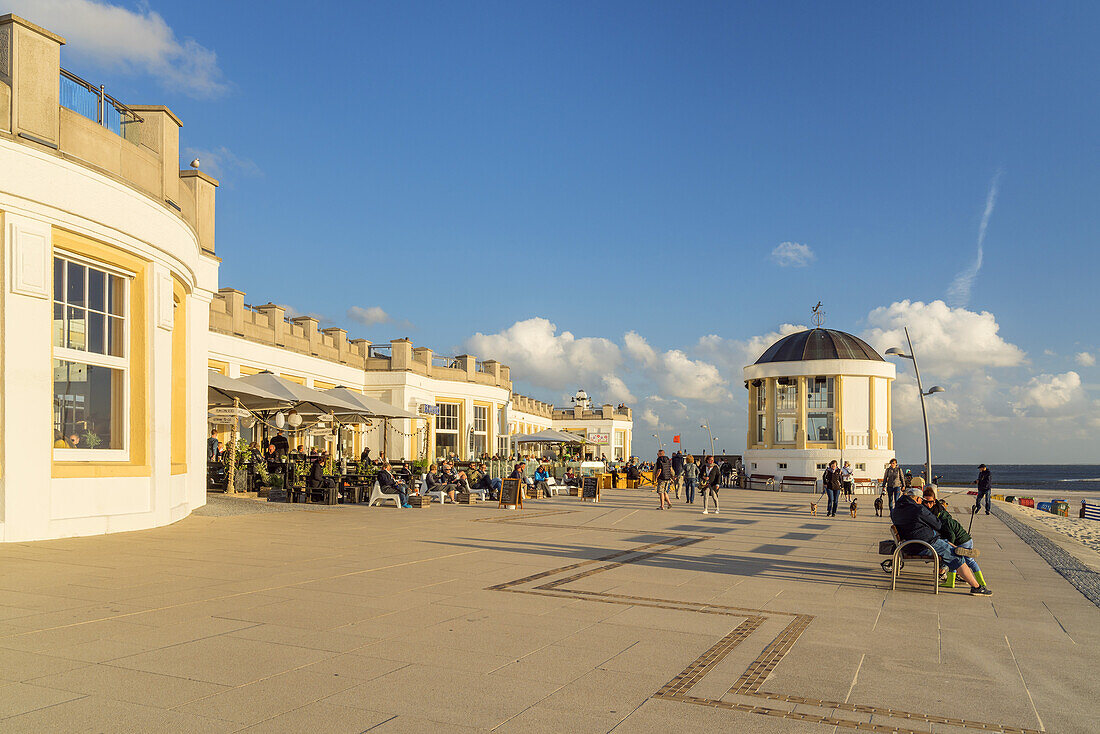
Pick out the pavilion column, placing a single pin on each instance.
(800, 428)
(838, 413)
(769, 412)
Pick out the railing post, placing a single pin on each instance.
(100, 104)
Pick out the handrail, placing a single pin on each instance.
(88, 85)
(87, 100)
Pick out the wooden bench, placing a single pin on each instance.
(898, 558)
(797, 484)
(765, 481)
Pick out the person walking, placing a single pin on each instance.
(893, 481)
(833, 484)
(662, 477)
(985, 488)
(213, 446)
(847, 478)
(691, 474)
(711, 479)
(677, 471)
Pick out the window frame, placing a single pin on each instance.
(95, 359)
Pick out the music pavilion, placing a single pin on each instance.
(816, 396)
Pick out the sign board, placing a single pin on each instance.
(429, 410)
(228, 413)
(590, 489)
(601, 439)
(511, 494)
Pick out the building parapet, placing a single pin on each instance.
(524, 404)
(606, 412)
(269, 324)
(137, 145)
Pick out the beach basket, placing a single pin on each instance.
(1060, 507)
(1091, 509)
(1000, 497)
(1010, 498)
(1043, 507)
(1027, 502)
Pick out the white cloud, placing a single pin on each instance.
(369, 316)
(538, 354)
(1085, 359)
(134, 41)
(222, 163)
(1051, 394)
(615, 390)
(905, 402)
(948, 341)
(675, 373)
(792, 254)
(293, 313)
(735, 354)
(959, 292)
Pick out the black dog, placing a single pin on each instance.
(878, 506)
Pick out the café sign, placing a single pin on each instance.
(600, 439)
(429, 409)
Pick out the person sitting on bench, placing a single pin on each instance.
(480, 479)
(571, 479)
(316, 478)
(541, 475)
(914, 521)
(632, 472)
(950, 528)
(389, 485)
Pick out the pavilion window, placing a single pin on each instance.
(786, 412)
(820, 404)
(90, 361)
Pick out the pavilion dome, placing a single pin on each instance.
(819, 344)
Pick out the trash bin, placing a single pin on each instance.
(1060, 507)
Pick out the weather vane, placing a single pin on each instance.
(819, 315)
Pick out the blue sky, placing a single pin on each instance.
(625, 173)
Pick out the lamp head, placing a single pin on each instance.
(896, 352)
(936, 388)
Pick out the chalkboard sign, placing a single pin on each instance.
(511, 494)
(590, 489)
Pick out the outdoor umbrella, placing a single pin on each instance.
(548, 435)
(368, 406)
(221, 391)
(305, 399)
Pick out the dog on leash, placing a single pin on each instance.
(878, 506)
(852, 507)
(813, 509)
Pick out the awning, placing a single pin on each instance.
(221, 390)
(305, 399)
(369, 406)
(549, 436)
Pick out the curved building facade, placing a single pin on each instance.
(107, 252)
(816, 396)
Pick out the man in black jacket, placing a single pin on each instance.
(914, 521)
(389, 485)
(985, 487)
(677, 471)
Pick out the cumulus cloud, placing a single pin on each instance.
(1085, 359)
(615, 390)
(675, 373)
(664, 414)
(948, 341)
(792, 254)
(293, 313)
(734, 354)
(959, 292)
(369, 316)
(539, 354)
(1051, 394)
(222, 163)
(133, 41)
(905, 402)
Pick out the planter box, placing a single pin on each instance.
(465, 498)
(534, 493)
(420, 500)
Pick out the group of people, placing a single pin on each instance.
(679, 471)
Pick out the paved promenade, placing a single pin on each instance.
(563, 617)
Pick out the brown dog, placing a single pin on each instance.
(852, 507)
(813, 509)
(878, 506)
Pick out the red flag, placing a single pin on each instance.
(676, 439)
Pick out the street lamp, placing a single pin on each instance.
(658, 437)
(706, 425)
(897, 352)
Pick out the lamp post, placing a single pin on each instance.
(898, 352)
(706, 425)
(658, 437)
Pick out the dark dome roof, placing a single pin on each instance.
(819, 344)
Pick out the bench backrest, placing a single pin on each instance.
(894, 532)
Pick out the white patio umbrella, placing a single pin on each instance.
(373, 406)
(305, 399)
(224, 391)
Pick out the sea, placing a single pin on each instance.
(1047, 480)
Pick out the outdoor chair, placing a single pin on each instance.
(377, 495)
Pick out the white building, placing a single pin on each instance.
(107, 253)
(816, 396)
(608, 429)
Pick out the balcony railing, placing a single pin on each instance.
(84, 98)
(376, 351)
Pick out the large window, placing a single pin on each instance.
(820, 404)
(446, 430)
(481, 430)
(90, 359)
(786, 412)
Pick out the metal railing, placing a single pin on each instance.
(376, 351)
(445, 362)
(82, 97)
